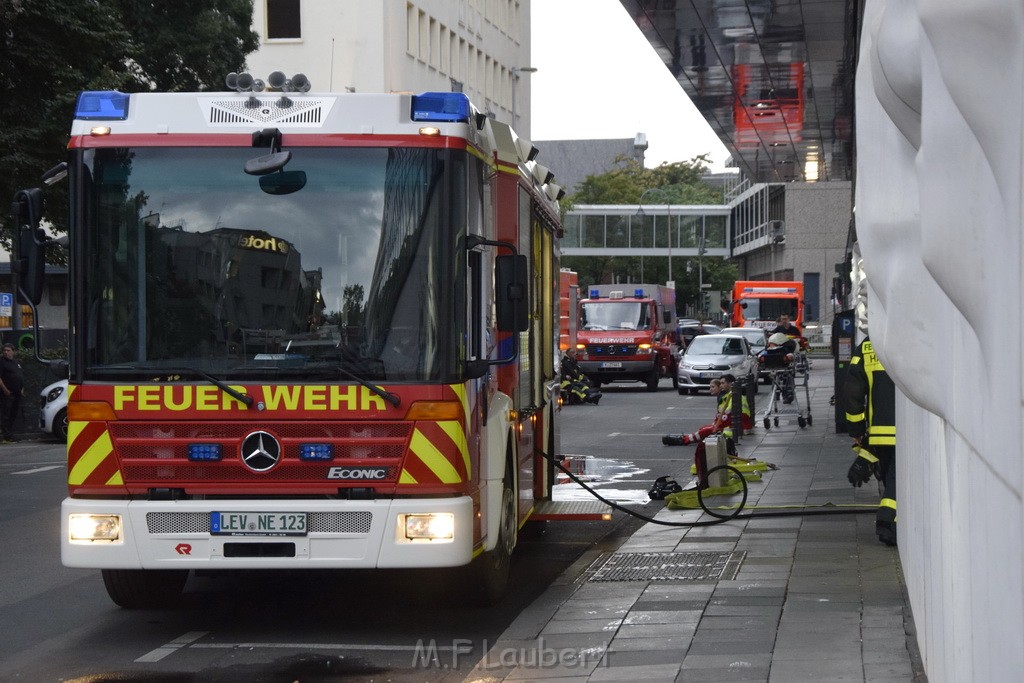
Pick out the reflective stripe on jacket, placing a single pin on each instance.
(869, 398)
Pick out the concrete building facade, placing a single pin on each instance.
(479, 47)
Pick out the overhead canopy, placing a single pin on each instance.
(773, 78)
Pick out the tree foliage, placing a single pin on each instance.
(679, 183)
(50, 50)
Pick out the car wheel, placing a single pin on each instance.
(60, 425)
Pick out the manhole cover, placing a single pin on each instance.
(667, 566)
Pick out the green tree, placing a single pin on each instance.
(681, 183)
(50, 50)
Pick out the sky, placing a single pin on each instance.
(591, 57)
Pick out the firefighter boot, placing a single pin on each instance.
(886, 533)
(688, 439)
(669, 440)
(594, 397)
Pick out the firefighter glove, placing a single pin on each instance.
(863, 468)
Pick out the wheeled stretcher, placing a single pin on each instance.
(788, 372)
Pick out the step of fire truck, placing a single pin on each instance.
(572, 510)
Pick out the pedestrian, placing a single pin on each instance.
(786, 327)
(870, 403)
(12, 386)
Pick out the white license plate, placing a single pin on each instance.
(611, 364)
(258, 523)
(710, 375)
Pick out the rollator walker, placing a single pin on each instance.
(788, 369)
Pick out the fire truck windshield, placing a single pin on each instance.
(615, 315)
(188, 263)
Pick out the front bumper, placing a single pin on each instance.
(342, 534)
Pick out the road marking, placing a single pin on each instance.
(39, 469)
(613, 434)
(320, 646)
(646, 417)
(172, 647)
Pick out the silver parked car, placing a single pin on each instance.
(758, 340)
(712, 355)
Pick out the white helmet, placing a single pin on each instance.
(778, 339)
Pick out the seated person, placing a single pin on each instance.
(778, 352)
(575, 387)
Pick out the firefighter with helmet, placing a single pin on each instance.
(870, 403)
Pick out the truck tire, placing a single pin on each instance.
(491, 570)
(653, 379)
(144, 588)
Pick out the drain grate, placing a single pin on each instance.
(700, 566)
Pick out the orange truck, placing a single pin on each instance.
(759, 303)
(627, 333)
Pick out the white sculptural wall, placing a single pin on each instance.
(940, 145)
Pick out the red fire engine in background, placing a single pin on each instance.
(626, 333)
(311, 330)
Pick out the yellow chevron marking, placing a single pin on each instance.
(433, 458)
(74, 429)
(91, 459)
(457, 434)
(406, 478)
(115, 480)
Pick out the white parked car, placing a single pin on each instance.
(53, 409)
(712, 355)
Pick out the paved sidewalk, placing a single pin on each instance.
(787, 599)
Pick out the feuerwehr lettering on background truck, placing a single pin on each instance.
(627, 333)
(311, 330)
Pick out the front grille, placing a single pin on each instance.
(612, 350)
(155, 453)
(349, 522)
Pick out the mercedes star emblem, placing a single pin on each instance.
(260, 451)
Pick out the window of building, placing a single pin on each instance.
(283, 19)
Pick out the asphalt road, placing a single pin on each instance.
(312, 626)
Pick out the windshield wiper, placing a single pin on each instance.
(391, 398)
(233, 393)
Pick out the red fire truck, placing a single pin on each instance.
(627, 333)
(311, 330)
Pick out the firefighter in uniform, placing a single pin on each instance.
(870, 403)
(575, 386)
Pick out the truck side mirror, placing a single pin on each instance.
(29, 260)
(511, 283)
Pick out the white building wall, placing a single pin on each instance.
(939, 220)
(408, 46)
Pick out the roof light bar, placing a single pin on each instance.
(440, 106)
(102, 105)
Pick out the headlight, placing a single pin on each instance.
(93, 528)
(438, 526)
(53, 394)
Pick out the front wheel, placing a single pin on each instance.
(144, 588)
(653, 379)
(490, 571)
(60, 425)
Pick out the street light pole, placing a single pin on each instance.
(516, 70)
